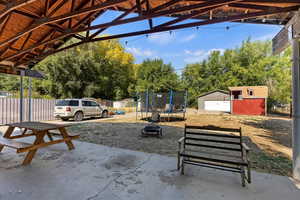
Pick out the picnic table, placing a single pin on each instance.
(40, 131)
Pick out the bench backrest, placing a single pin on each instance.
(212, 137)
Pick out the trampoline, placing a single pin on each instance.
(169, 105)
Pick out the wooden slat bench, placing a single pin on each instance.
(14, 144)
(214, 147)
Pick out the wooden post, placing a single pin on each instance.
(29, 99)
(22, 73)
(296, 108)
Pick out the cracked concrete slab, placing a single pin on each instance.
(95, 172)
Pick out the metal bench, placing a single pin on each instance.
(214, 147)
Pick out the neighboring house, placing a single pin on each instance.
(124, 103)
(217, 100)
(249, 100)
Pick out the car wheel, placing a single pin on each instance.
(104, 114)
(65, 119)
(78, 116)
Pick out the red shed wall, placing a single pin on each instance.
(249, 106)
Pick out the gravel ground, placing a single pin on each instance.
(268, 137)
(128, 136)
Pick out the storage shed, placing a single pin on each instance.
(249, 100)
(217, 100)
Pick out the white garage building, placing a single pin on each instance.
(217, 100)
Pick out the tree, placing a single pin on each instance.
(156, 76)
(99, 70)
(249, 65)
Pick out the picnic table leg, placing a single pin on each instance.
(7, 134)
(64, 134)
(39, 139)
(49, 136)
(24, 131)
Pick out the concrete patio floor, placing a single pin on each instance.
(92, 172)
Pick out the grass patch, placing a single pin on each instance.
(264, 162)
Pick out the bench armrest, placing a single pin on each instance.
(180, 141)
(245, 147)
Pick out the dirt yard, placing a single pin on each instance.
(268, 137)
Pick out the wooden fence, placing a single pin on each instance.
(42, 109)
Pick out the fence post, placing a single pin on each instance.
(29, 100)
(22, 73)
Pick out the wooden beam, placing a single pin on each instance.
(251, 6)
(14, 5)
(161, 29)
(61, 29)
(46, 20)
(45, 42)
(54, 8)
(166, 5)
(210, 6)
(181, 26)
(153, 15)
(124, 14)
(26, 40)
(139, 6)
(148, 7)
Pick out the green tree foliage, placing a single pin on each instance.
(156, 76)
(99, 70)
(249, 65)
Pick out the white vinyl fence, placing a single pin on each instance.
(42, 109)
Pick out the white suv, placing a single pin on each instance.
(78, 109)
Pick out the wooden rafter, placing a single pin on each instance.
(15, 5)
(176, 27)
(45, 20)
(32, 29)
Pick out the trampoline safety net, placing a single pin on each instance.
(169, 102)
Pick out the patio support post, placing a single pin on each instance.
(22, 73)
(296, 108)
(29, 99)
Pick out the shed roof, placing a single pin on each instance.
(30, 30)
(211, 92)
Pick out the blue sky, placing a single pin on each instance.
(185, 46)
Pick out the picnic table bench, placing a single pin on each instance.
(214, 147)
(39, 130)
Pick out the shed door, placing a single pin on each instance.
(249, 107)
(223, 106)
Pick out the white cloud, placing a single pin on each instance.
(198, 55)
(162, 38)
(265, 37)
(140, 52)
(188, 38)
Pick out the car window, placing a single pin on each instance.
(86, 103)
(94, 103)
(67, 103)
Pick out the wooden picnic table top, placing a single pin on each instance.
(38, 126)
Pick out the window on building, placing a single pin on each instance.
(250, 92)
(236, 94)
